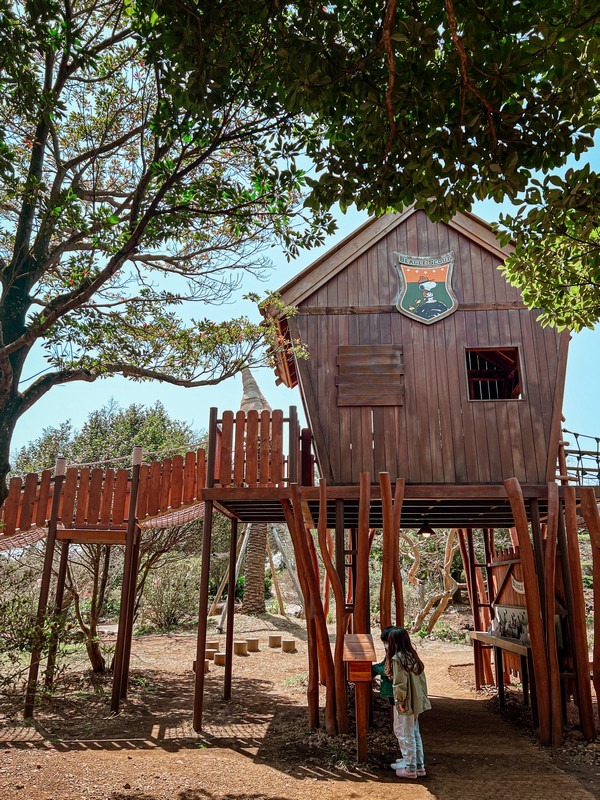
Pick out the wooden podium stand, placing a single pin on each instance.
(359, 654)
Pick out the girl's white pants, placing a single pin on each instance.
(406, 728)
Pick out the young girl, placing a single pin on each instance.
(407, 672)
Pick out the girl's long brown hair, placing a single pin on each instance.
(399, 643)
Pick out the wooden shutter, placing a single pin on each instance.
(370, 375)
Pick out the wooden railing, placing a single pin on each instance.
(99, 498)
(249, 450)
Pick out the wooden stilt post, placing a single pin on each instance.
(388, 551)
(230, 611)
(238, 569)
(224, 582)
(351, 594)
(397, 574)
(484, 667)
(485, 617)
(135, 560)
(304, 544)
(36, 653)
(326, 577)
(534, 610)
(361, 591)
(293, 446)
(340, 616)
(202, 615)
(580, 642)
(550, 603)
(538, 550)
(58, 603)
(340, 544)
(205, 573)
(312, 689)
(591, 516)
(118, 670)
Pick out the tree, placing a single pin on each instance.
(120, 203)
(557, 260)
(108, 435)
(432, 102)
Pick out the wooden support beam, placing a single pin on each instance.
(397, 574)
(387, 560)
(130, 613)
(580, 642)
(341, 709)
(340, 545)
(203, 613)
(58, 604)
(322, 635)
(91, 536)
(36, 653)
(591, 516)
(550, 603)
(464, 552)
(475, 579)
(233, 547)
(119, 658)
(224, 581)
(534, 610)
(361, 591)
(484, 605)
(538, 551)
(312, 689)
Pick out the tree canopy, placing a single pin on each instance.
(433, 102)
(120, 203)
(107, 437)
(150, 152)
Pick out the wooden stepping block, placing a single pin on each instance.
(288, 645)
(206, 662)
(212, 644)
(220, 659)
(240, 648)
(210, 654)
(274, 640)
(253, 645)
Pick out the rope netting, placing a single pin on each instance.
(174, 518)
(21, 540)
(583, 464)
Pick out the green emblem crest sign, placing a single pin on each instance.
(425, 287)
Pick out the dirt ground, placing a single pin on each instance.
(257, 746)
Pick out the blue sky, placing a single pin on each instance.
(75, 401)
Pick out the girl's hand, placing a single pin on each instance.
(402, 709)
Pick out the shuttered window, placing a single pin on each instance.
(370, 375)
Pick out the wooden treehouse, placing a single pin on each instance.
(433, 398)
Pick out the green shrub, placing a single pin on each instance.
(171, 597)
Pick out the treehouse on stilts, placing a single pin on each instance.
(433, 398)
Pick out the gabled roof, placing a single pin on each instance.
(366, 236)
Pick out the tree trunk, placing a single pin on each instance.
(254, 590)
(92, 645)
(9, 417)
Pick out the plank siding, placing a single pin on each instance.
(437, 435)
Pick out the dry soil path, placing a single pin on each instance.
(257, 749)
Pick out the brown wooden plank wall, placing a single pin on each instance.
(437, 435)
